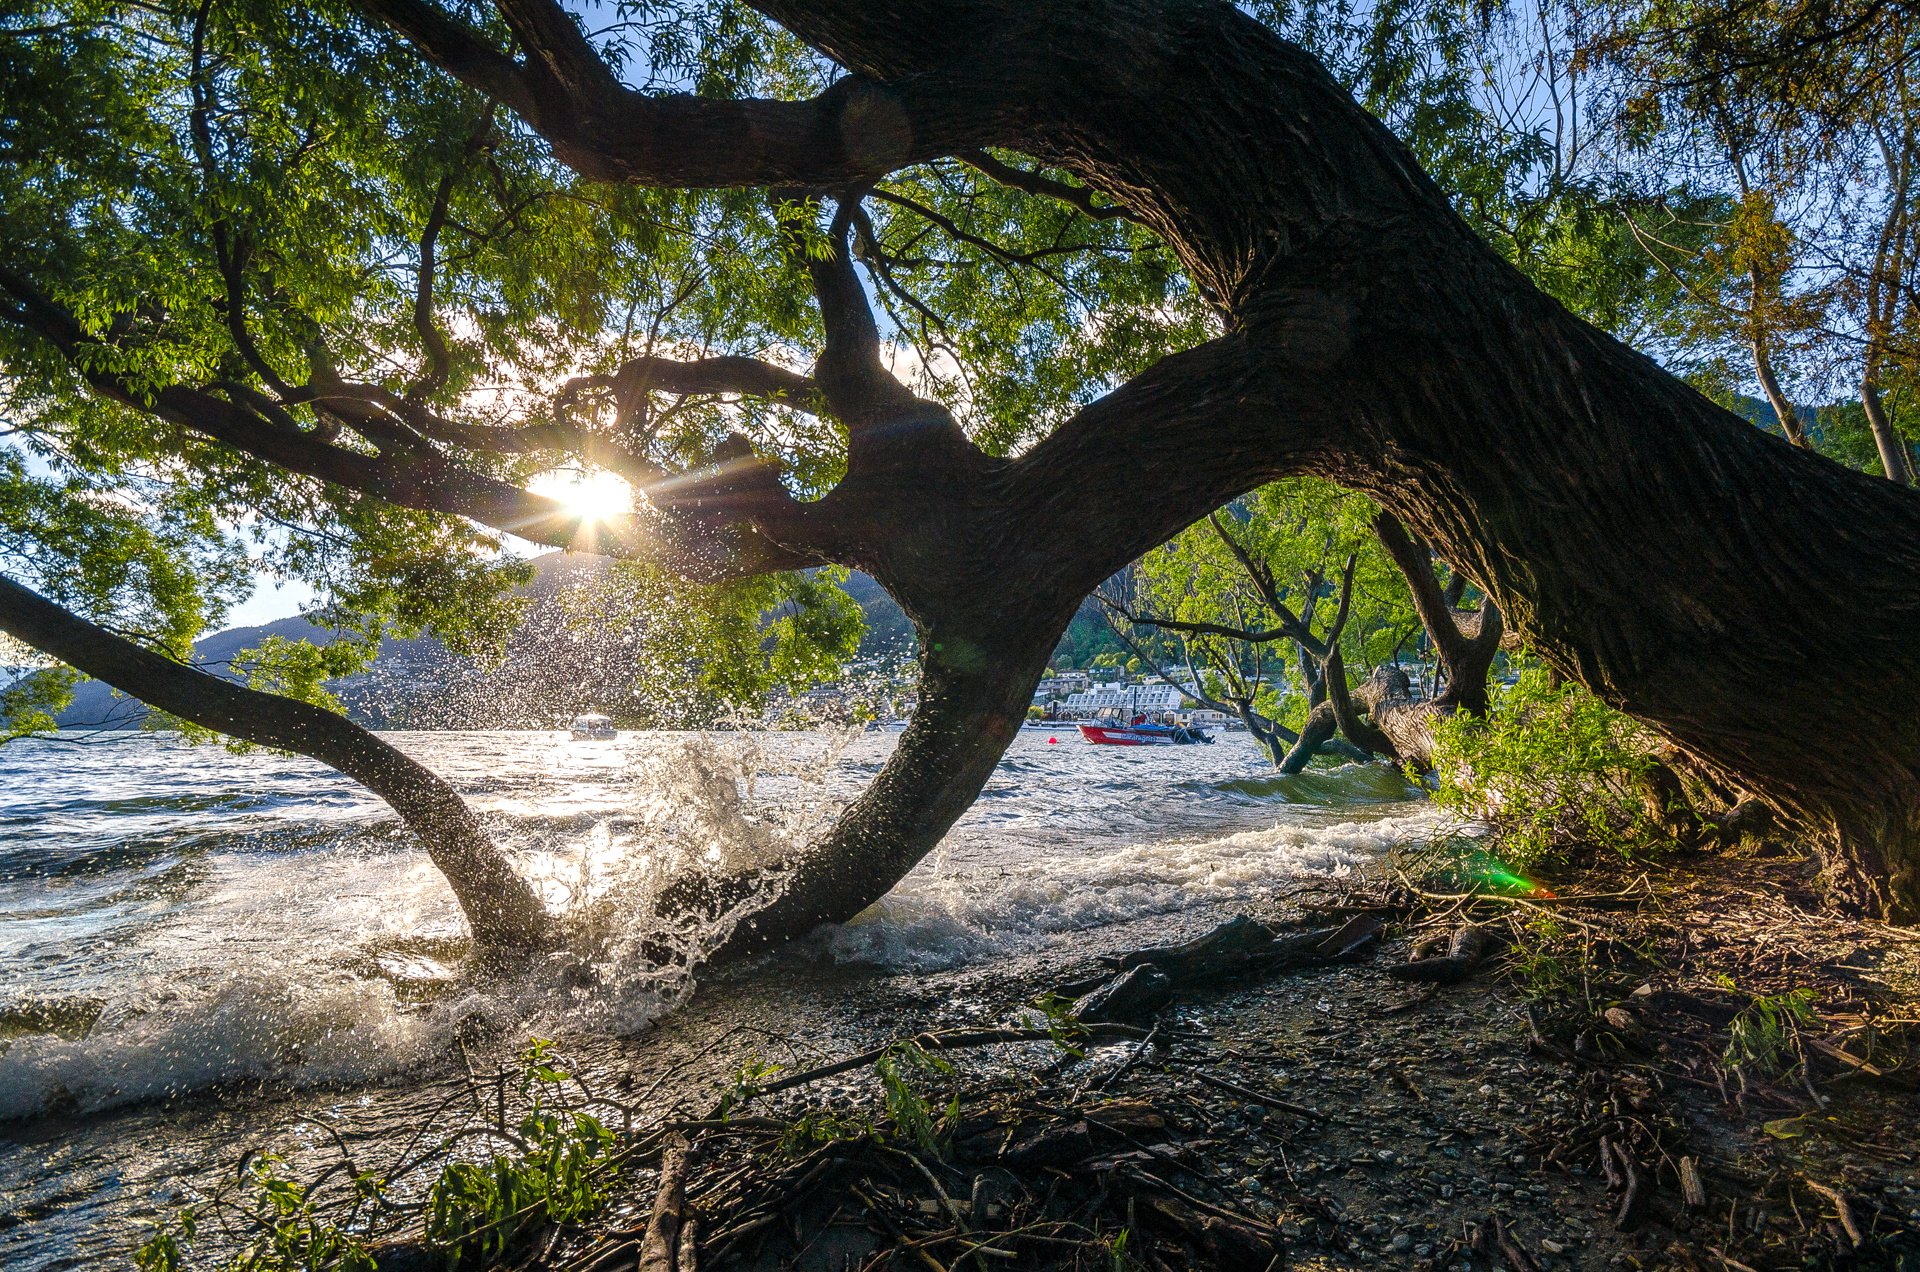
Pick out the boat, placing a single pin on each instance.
(1112, 728)
(592, 728)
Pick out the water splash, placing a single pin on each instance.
(315, 965)
(937, 919)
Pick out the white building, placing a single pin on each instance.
(1147, 699)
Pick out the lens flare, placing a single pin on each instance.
(591, 496)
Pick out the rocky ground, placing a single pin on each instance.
(1683, 1067)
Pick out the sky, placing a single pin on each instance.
(271, 600)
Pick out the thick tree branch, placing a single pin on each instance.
(852, 134)
(1340, 701)
(1466, 643)
(697, 531)
(862, 393)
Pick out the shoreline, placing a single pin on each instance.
(1409, 1061)
(1487, 1124)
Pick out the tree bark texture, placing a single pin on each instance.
(974, 692)
(500, 906)
(1680, 563)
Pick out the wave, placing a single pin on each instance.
(1346, 786)
(936, 919)
(288, 1002)
(313, 948)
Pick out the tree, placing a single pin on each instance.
(1218, 592)
(1261, 586)
(1801, 118)
(1624, 525)
(152, 570)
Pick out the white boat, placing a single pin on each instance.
(592, 728)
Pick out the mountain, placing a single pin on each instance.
(551, 671)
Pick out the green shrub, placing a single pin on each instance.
(1762, 1037)
(476, 1210)
(1550, 768)
(560, 1167)
(904, 1066)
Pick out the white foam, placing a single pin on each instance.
(264, 975)
(259, 965)
(938, 918)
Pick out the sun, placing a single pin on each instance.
(590, 496)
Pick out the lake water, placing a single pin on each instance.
(177, 920)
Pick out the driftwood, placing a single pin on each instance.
(1144, 981)
(1027, 1183)
(1134, 994)
(668, 1246)
(1467, 949)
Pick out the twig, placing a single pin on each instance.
(1271, 1101)
(1843, 1206)
(1634, 1201)
(951, 1041)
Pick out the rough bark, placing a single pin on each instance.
(500, 906)
(1314, 736)
(974, 693)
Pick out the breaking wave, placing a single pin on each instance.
(338, 958)
(939, 918)
(174, 921)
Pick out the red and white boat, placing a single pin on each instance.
(1111, 728)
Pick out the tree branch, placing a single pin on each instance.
(1078, 197)
(862, 393)
(852, 134)
(1257, 724)
(696, 530)
(500, 905)
(1251, 637)
(1262, 580)
(1465, 642)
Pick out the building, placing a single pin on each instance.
(1060, 687)
(1156, 698)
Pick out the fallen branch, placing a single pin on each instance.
(662, 1249)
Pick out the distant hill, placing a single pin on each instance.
(551, 670)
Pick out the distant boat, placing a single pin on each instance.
(593, 728)
(1111, 728)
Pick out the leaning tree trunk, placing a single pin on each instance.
(500, 905)
(975, 687)
(1770, 385)
(1465, 645)
(1736, 594)
(1894, 457)
(1629, 530)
